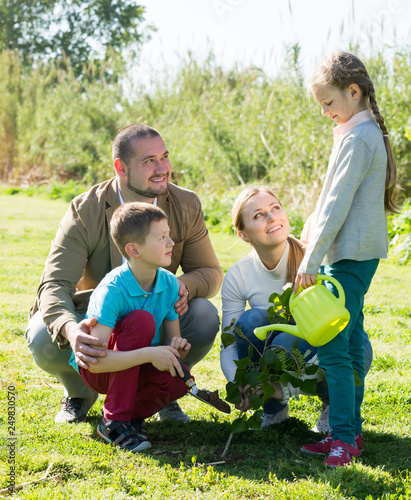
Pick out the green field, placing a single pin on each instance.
(258, 464)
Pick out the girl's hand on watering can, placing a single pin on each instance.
(304, 280)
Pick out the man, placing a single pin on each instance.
(83, 252)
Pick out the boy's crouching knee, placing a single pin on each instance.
(134, 331)
(137, 320)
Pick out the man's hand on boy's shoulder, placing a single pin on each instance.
(181, 306)
(181, 346)
(78, 334)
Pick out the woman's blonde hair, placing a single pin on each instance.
(296, 252)
(341, 69)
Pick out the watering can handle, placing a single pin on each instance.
(322, 277)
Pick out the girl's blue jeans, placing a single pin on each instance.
(345, 353)
(253, 318)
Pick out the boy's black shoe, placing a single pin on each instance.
(139, 426)
(123, 435)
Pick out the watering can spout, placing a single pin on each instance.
(262, 331)
(319, 315)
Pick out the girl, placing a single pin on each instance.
(260, 220)
(349, 235)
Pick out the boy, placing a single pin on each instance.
(130, 304)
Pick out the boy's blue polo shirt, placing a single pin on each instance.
(119, 293)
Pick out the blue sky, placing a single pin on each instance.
(255, 31)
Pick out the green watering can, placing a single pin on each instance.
(319, 315)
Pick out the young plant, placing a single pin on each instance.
(260, 370)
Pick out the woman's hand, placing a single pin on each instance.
(246, 392)
(304, 280)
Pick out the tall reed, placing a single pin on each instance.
(224, 128)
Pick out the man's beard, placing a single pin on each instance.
(145, 193)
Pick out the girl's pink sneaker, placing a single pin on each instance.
(324, 446)
(341, 454)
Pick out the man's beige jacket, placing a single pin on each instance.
(83, 252)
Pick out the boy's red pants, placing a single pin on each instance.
(141, 391)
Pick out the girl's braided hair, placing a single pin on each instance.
(341, 69)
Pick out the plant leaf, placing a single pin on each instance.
(242, 363)
(270, 356)
(274, 297)
(233, 393)
(252, 377)
(282, 319)
(227, 339)
(287, 377)
(285, 298)
(230, 326)
(311, 369)
(239, 378)
(309, 386)
(256, 402)
(239, 424)
(263, 377)
(269, 391)
(254, 422)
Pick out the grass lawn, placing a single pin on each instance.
(258, 464)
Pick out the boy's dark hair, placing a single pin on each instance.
(122, 147)
(131, 223)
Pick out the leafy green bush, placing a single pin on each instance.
(66, 127)
(67, 191)
(53, 190)
(224, 128)
(400, 234)
(217, 212)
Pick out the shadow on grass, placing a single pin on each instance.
(281, 440)
(254, 455)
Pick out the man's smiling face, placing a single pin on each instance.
(148, 172)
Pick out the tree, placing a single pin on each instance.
(81, 30)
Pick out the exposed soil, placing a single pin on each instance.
(214, 399)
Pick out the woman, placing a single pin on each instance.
(260, 220)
